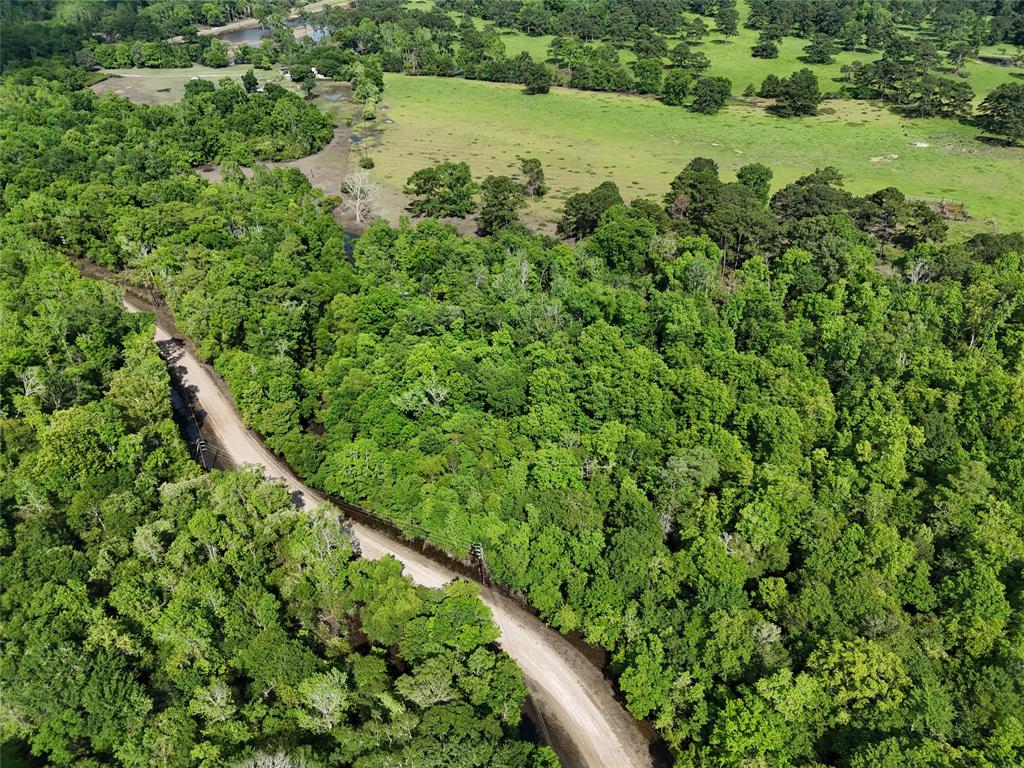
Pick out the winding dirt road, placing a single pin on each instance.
(589, 726)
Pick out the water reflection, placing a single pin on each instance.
(254, 36)
(246, 36)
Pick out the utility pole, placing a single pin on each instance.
(201, 451)
(476, 554)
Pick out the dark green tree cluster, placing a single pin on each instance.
(155, 616)
(590, 36)
(1002, 112)
(445, 189)
(150, 144)
(431, 43)
(798, 94)
(621, 20)
(158, 54)
(43, 29)
(904, 77)
(592, 67)
(851, 25)
(583, 211)
(448, 190)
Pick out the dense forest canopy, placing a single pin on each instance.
(767, 450)
(156, 616)
(781, 487)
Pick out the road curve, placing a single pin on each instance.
(565, 686)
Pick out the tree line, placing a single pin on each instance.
(915, 73)
(763, 448)
(157, 616)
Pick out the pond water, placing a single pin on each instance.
(254, 36)
(246, 36)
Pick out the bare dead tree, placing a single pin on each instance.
(362, 195)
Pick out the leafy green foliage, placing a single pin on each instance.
(502, 200)
(1002, 112)
(157, 616)
(676, 87)
(798, 94)
(446, 189)
(767, 455)
(710, 94)
(583, 210)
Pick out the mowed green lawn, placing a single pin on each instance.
(584, 138)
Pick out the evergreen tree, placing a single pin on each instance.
(820, 50)
(249, 81)
(798, 95)
(710, 94)
(727, 18)
(1002, 112)
(502, 198)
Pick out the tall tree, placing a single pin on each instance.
(502, 200)
(445, 189)
(710, 94)
(798, 95)
(1002, 112)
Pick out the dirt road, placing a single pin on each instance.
(577, 703)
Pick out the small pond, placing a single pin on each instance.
(255, 35)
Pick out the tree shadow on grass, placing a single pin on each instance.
(995, 141)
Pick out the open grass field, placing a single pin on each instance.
(730, 57)
(584, 138)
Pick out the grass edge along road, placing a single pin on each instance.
(583, 138)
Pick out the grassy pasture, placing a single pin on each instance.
(585, 138)
(730, 56)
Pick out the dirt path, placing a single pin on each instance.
(577, 702)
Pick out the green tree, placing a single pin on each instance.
(710, 94)
(502, 200)
(727, 17)
(1002, 112)
(676, 87)
(534, 185)
(765, 48)
(446, 189)
(799, 94)
(758, 178)
(647, 75)
(820, 50)
(249, 81)
(583, 210)
(537, 78)
(215, 54)
(771, 87)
